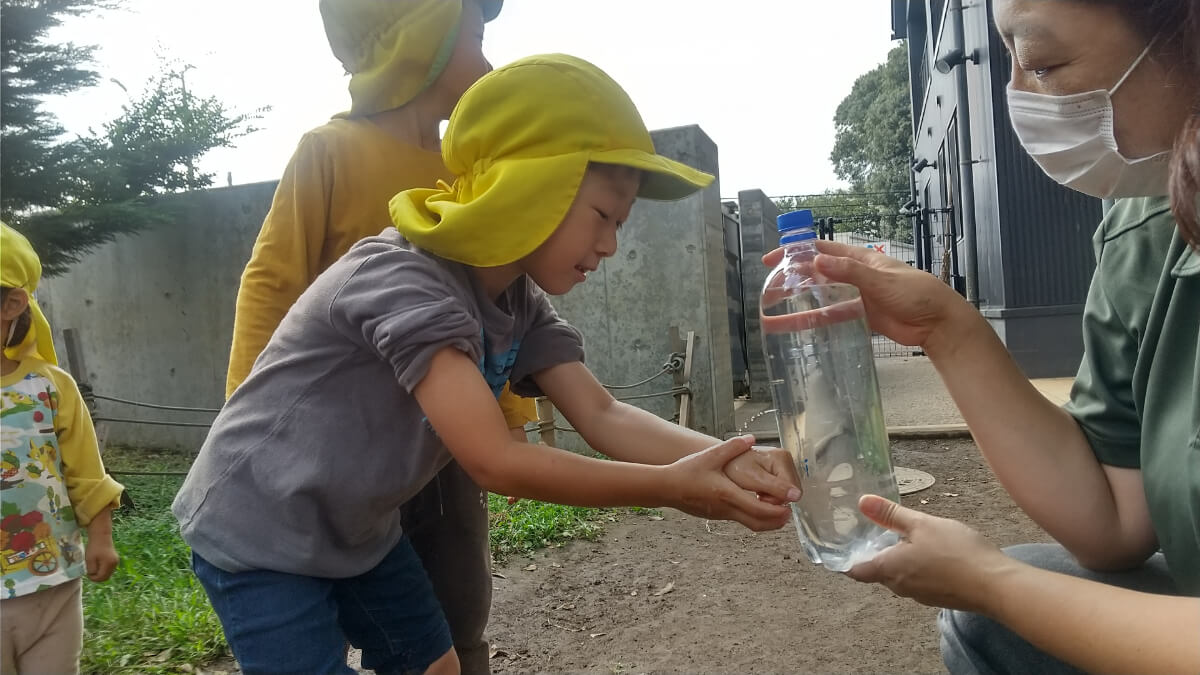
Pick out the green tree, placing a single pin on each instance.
(871, 151)
(69, 196)
(34, 172)
(869, 214)
(873, 129)
(153, 146)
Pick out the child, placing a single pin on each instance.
(409, 61)
(53, 484)
(390, 363)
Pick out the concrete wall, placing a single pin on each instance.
(759, 235)
(669, 270)
(154, 312)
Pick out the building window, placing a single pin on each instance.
(918, 58)
(936, 7)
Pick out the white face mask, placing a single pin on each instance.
(1071, 138)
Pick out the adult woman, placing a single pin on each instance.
(1115, 475)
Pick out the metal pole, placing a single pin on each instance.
(966, 160)
(545, 413)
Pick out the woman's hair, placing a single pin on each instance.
(23, 322)
(1185, 166)
(1176, 23)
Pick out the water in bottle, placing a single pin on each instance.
(827, 402)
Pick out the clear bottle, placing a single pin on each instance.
(827, 401)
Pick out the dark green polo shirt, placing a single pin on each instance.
(1137, 395)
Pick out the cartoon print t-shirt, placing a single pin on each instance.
(43, 420)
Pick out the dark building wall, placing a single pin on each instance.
(756, 218)
(1032, 235)
(1049, 237)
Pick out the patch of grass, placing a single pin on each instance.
(528, 525)
(152, 616)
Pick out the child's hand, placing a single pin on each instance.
(769, 472)
(101, 558)
(100, 555)
(702, 489)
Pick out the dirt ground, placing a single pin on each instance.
(679, 594)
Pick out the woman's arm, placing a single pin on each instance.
(1099, 628)
(1036, 449)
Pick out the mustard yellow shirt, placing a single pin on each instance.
(334, 192)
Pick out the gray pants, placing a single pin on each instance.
(447, 522)
(975, 644)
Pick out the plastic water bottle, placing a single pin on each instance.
(827, 401)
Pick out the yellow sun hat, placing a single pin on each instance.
(20, 267)
(393, 49)
(519, 142)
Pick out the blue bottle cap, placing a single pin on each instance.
(795, 220)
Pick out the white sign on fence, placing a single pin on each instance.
(884, 247)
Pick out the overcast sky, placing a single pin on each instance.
(761, 77)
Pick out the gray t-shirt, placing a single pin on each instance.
(307, 464)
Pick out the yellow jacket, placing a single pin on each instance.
(334, 192)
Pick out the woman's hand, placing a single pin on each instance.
(908, 305)
(938, 562)
(1087, 624)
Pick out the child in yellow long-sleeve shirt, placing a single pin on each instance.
(405, 81)
(53, 484)
(410, 61)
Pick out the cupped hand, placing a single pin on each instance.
(701, 488)
(938, 562)
(768, 472)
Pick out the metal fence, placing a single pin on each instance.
(885, 347)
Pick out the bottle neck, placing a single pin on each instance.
(804, 249)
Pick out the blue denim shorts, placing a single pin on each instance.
(286, 623)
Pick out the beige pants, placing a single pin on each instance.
(42, 632)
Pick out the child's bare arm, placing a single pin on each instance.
(463, 411)
(100, 554)
(605, 422)
(631, 434)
